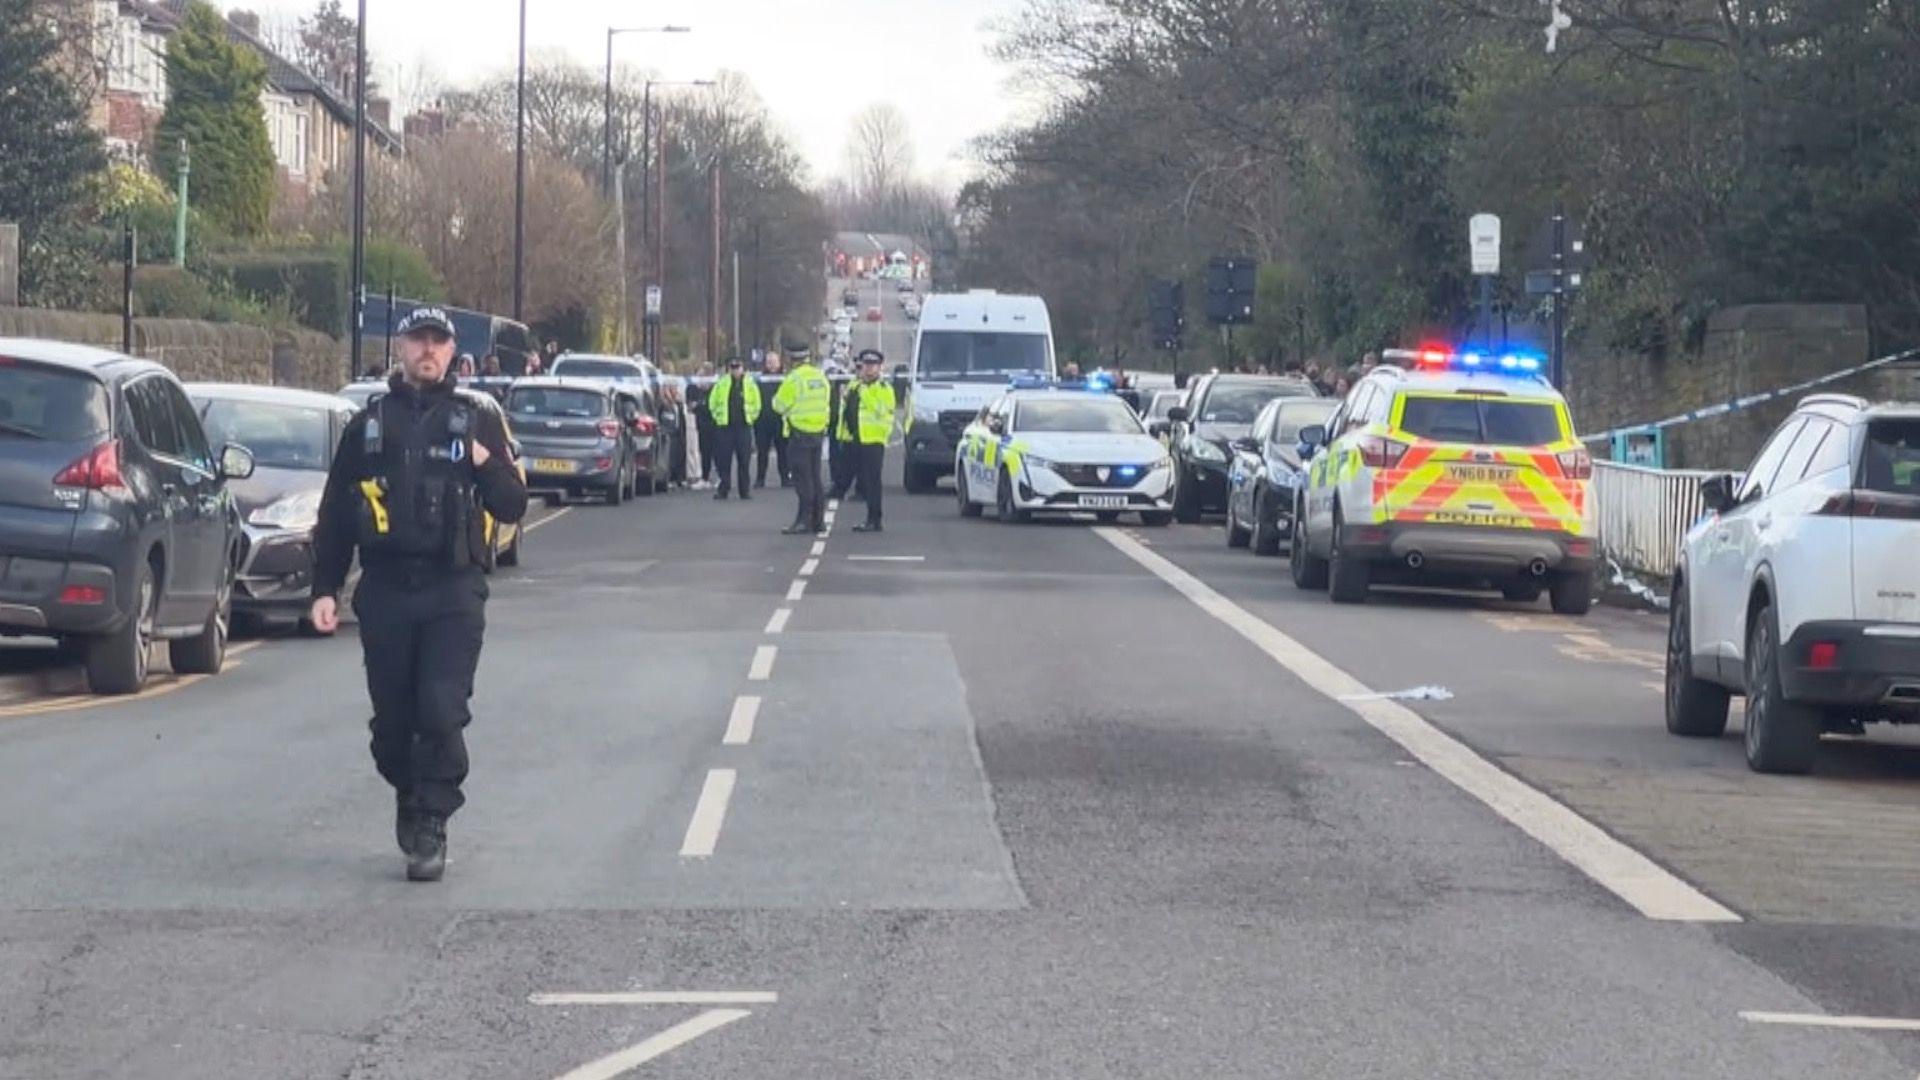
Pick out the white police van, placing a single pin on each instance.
(966, 350)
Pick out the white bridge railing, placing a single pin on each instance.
(1641, 514)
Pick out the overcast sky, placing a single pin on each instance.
(816, 62)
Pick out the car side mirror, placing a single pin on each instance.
(1246, 446)
(1717, 493)
(1159, 428)
(1178, 414)
(236, 462)
(1313, 435)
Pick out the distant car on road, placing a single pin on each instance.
(1042, 451)
(1218, 409)
(1264, 479)
(293, 435)
(577, 437)
(874, 314)
(1801, 588)
(117, 528)
(850, 298)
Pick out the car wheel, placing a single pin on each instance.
(1348, 578)
(1186, 497)
(1266, 534)
(617, 494)
(205, 652)
(1237, 537)
(1571, 593)
(968, 508)
(1155, 519)
(1522, 592)
(643, 484)
(1309, 570)
(1695, 707)
(511, 556)
(1003, 507)
(917, 479)
(117, 662)
(1781, 736)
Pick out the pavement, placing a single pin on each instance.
(960, 799)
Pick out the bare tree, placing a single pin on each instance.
(879, 151)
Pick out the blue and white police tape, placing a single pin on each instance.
(1751, 400)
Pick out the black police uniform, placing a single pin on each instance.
(842, 455)
(770, 436)
(703, 424)
(403, 490)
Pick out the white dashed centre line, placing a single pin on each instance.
(796, 590)
(703, 832)
(746, 709)
(779, 621)
(625, 1061)
(807, 568)
(819, 548)
(886, 558)
(1857, 1023)
(762, 663)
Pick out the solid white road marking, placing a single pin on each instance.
(703, 832)
(555, 516)
(807, 568)
(779, 621)
(762, 666)
(1626, 873)
(832, 505)
(746, 708)
(659, 997)
(819, 548)
(796, 590)
(1859, 1023)
(886, 558)
(625, 1061)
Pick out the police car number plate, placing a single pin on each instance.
(1480, 474)
(1104, 502)
(553, 465)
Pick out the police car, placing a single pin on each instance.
(1444, 465)
(1061, 450)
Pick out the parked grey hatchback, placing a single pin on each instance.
(116, 526)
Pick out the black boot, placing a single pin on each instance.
(428, 859)
(406, 825)
(867, 526)
(721, 495)
(795, 529)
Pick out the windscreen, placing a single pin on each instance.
(1162, 404)
(1890, 461)
(1108, 416)
(1296, 416)
(50, 403)
(1239, 403)
(280, 436)
(955, 354)
(595, 369)
(1482, 421)
(557, 403)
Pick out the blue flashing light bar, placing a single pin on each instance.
(1434, 359)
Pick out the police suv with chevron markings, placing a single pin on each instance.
(1459, 468)
(1056, 450)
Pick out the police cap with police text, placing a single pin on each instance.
(796, 348)
(424, 320)
(871, 356)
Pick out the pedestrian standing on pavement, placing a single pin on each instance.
(866, 420)
(413, 473)
(734, 402)
(804, 403)
(770, 434)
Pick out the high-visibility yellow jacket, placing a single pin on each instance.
(805, 400)
(877, 405)
(723, 390)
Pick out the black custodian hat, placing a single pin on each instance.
(425, 319)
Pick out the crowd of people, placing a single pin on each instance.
(1330, 379)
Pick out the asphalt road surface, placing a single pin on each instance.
(893, 334)
(958, 800)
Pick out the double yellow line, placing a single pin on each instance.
(156, 687)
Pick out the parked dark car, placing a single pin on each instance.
(577, 436)
(117, 528)
(654, 427)
(1218, 409)
(1265, 474)
(293, 435)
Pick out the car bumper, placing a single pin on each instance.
(276, 572)
(928, 446)
(568, 470)
(1470, 549)
(1210, 480)
(31, 591)
(1042, 490)
(1876, 666)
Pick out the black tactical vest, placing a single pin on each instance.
(417, 501)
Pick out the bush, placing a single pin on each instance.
(312, 284)
(168, 292)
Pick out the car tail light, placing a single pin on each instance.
(1580, 549)
(1823, 655)
(99, 470)
(1576, 463)
(603, 463)
(609, 429)
(1381, 453)
(1869, 504)
(645, 425)
(83, 594)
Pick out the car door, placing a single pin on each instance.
(157, 439)
(1248, 465)
(1322, 476)
(1719, 592)
(206, 546)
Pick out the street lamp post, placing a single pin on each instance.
(359, 270)
(519, 175)
(606, 157)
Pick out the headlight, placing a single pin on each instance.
(1285, 474)
(925, 414)
(1205, 450)
(301, 511)
(1162, 465)
(1035, 461)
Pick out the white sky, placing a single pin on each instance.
(816, 62)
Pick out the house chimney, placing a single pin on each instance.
(245, 20)
(380, 111)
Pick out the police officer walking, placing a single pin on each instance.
(414, 472)
(805, 404)
(734, 402)
(866, 421)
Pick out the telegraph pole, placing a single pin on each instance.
(519, 176)
(359, 271)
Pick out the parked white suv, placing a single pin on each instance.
(1801, 588)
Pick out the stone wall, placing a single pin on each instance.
(1748, 350)
(198, 351)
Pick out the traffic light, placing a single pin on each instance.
(1231, 284)
(1167, 312)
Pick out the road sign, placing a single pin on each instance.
(1231, 285)
(1483, 235)
(653, 302)
(1167, 312)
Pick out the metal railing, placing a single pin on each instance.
(1641, 514)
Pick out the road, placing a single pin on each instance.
(958, 800)
(893, 335)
